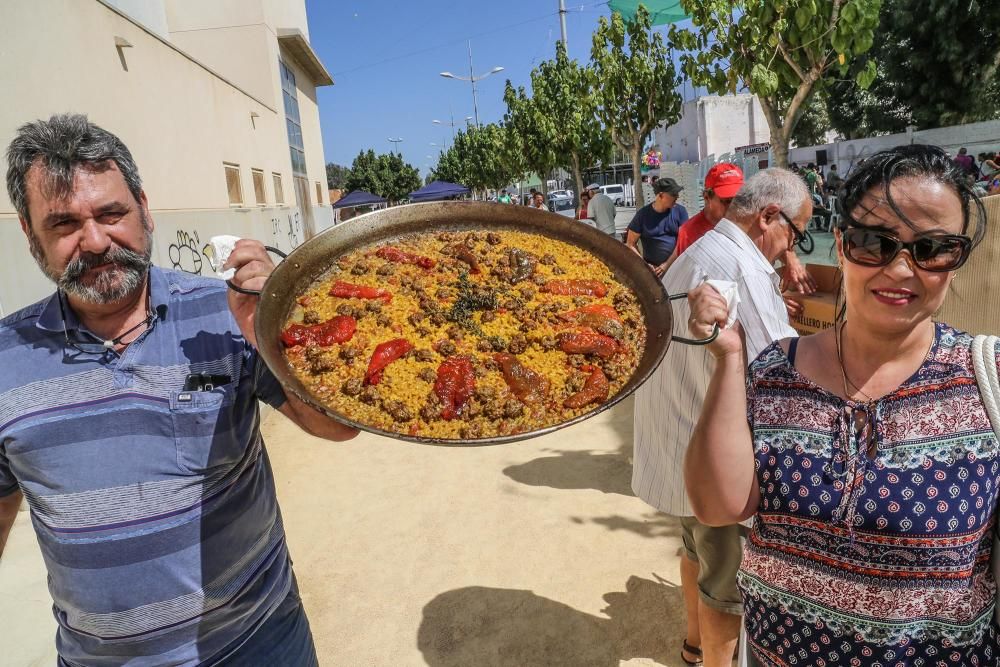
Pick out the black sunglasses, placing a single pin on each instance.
(803, 240)
(872, 247)
(102, 347)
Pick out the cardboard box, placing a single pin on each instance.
(819, 308)
(972, 303)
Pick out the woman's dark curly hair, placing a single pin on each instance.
(917, 160)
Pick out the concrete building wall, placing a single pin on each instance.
(679, 142)
(976, 137)
(150, 13)
(241, 54)
(180, 119)
(713, 125)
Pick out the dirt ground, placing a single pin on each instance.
(528, 554)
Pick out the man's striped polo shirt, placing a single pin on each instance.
(155, 507)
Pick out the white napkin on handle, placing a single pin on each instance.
(731, 293)
(222, 248)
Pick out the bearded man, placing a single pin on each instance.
(129, 422)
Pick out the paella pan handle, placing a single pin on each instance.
(251, 292)
(692, 341)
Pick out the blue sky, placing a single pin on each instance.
(385, 57)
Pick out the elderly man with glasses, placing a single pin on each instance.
(129, 421)
(765, 219)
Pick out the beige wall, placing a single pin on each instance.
(181, 121)
(240, 54)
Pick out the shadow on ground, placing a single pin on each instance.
(654, 524)
(505, 627)
(604, 471)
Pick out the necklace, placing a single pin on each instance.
(848, 385)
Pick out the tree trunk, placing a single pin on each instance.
(637, 194)
(779, 136)
(578, 178)
(779, 149)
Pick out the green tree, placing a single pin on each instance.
(336, 175)
(532, 134)
(856, 113)
(814, 122)
(635, 84)
(385, 175)
(937, 64)
(452, 165)
(397, 178)
(363, 173)
(780, 50)
(563, 92)
(487, 161)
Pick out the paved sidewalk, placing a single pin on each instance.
(529, 554)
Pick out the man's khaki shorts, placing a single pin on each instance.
(718, 552)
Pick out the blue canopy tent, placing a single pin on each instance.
(661, 11)
(352, 200)
(358, 198)
(438, 190)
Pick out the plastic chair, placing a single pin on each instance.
(834, 212)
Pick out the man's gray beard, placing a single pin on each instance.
(112, 285)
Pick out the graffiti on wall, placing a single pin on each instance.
(188, 254)
(291, 231)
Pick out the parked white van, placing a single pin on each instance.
(616, 192)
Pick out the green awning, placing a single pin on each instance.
(661, 11)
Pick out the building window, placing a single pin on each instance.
(319, 194)
(258, 186)
(279, 192)
(289, 94)
(233, 184)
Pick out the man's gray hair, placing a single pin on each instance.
(777, 186)
(60, 146)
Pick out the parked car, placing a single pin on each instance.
(616, 192)
(559, 199)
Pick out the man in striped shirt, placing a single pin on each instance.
(765, 219)
(129, 422)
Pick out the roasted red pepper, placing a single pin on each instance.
(595, 389)
(454, 385)
(384, 354)
(396, 255)
(598, 316)
(526, 384)
(340, 329)
(584, 287)
(350, 290)
(588, 341)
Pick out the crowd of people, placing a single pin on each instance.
(836, 493)
(983, 170)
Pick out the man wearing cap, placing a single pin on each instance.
(722, 183)
(767, 217)
(601, 209)
(657, 225)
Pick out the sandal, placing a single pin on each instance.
(693, 650)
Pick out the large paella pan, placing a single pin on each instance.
(462, 323)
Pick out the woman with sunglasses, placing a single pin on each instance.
(864, 452)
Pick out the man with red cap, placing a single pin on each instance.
(722, 183)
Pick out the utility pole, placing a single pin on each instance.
(562, 21)
(472, 78)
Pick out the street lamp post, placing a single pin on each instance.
(473, 79)
(452, 124)
(395, 143)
